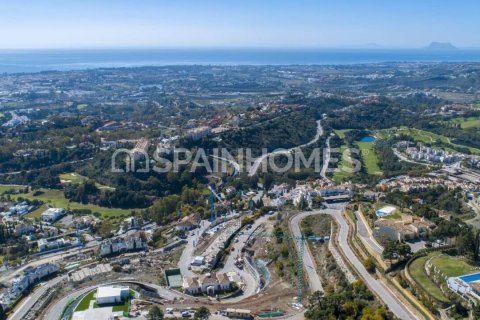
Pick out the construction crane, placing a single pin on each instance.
(301, 246)
(213, 196)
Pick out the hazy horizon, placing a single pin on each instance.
(209, 24)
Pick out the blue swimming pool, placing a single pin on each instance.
(368, 139)
(471, 277)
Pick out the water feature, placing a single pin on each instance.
(368, 139)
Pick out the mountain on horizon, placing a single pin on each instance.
(441, 46)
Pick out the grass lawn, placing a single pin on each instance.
(4, 188)
(465, 123)
(369, 157)
(76, 178)
(417, 272)
(345, 166)
(121, 307)
(37, 212)
(56, 198)
(341, 132)
(393, 216)
(452, 266)
(422, 136)
(85, 302)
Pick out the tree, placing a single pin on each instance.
(155, 313)
(202, 313)
(3, 316)
(369, 265)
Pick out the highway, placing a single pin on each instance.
(258, 161)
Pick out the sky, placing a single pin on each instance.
(240, 23)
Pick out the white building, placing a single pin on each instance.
(119, 245)
(52, 214)
(209, 283)
(45, 245)
(112, 294)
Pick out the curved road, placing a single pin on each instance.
(383, 292)
(308, 261)
(258, 161)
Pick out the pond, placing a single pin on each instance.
(368, 139)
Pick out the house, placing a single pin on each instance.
(52, 214)
(408, 228)
(198, 133)
(123, 244)
(20, 209)
(112, 294)
(132, 223)
(45, 245)
(22, 228)
(85, 222)
(21, 283)
(209, 283)
(35, 274)
(188, 223)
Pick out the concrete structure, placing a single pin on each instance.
(112, 294)
(198, 261)
(238, 313)
(385, 211)
(52, 214)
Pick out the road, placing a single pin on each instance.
(234, 164)
(251, 284)
(308, 261)
(258, 161)
(393, 303)
(53, 257)
(55, 310)
(33, 170)
(187, 254)
(362, 231)
(326, 159)
(27, 303)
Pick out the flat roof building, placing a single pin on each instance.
(112, 294)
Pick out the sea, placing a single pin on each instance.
(26, 61)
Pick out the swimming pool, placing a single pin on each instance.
(471, 277)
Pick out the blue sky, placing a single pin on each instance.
(240, 23)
